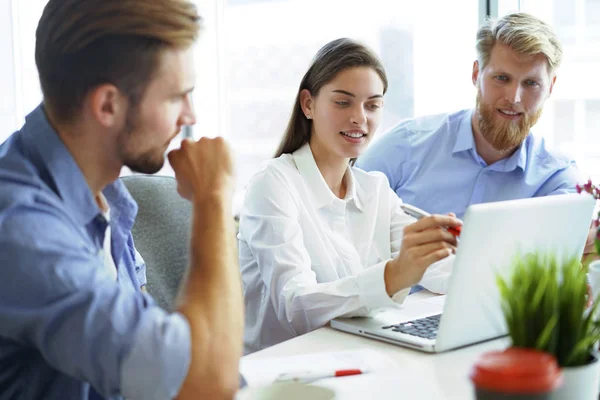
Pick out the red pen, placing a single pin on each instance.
(455, 231)
(418, 214)
(308, 376)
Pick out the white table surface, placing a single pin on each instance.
(429, 376)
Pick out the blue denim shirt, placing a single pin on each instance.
(432, 163)
(67, 329)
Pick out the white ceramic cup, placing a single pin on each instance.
(286, 391)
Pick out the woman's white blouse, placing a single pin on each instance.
(307, 256)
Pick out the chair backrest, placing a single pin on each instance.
(161, 233)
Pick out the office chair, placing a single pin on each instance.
(161, 233)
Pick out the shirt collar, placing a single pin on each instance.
(322, 195)
(519, 158)
(354, 191)
(464, 138)
(48, 153)
(123, 208)
(465, 141)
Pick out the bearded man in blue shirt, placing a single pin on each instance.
(445, 163)
(75, 323)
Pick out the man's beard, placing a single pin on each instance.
(149, 162)
(503, 135)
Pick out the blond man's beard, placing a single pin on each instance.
(503, 135)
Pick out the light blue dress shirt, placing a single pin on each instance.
(431, 162)
(67, 329)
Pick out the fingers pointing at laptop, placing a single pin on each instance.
(425, 242)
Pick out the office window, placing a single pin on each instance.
(592, 13)
(564, 122)
(565, 13)
(18, 75)
(592, 125)
(564, 19)
(505, 7)
(8, 109)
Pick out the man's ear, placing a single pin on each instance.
(307, 103)
(107, 105)
(552, 82)
(475, 74)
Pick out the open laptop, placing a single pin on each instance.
(492, 235)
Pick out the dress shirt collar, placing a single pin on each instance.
(464, 137)
(322, 195)
(465, 141)
(49, 155)
(519, 158)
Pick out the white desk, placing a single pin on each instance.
(429, 376)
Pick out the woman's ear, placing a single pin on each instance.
(307, 103)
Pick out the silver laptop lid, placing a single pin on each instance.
(493, 234)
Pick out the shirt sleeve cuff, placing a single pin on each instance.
(437, 276)
(372, 287)
(400, 296)
(159, 359)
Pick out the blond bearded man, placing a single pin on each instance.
(445, 163)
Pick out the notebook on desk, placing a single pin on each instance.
(493, 234)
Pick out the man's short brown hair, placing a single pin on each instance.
(81, 44)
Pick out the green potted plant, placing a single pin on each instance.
(544, 305)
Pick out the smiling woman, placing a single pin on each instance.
(347, 108)
(327, 98)
(319, 238)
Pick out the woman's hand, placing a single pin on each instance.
(424, 243)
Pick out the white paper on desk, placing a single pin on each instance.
(265, 371)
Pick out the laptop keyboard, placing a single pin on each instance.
(423, 327)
